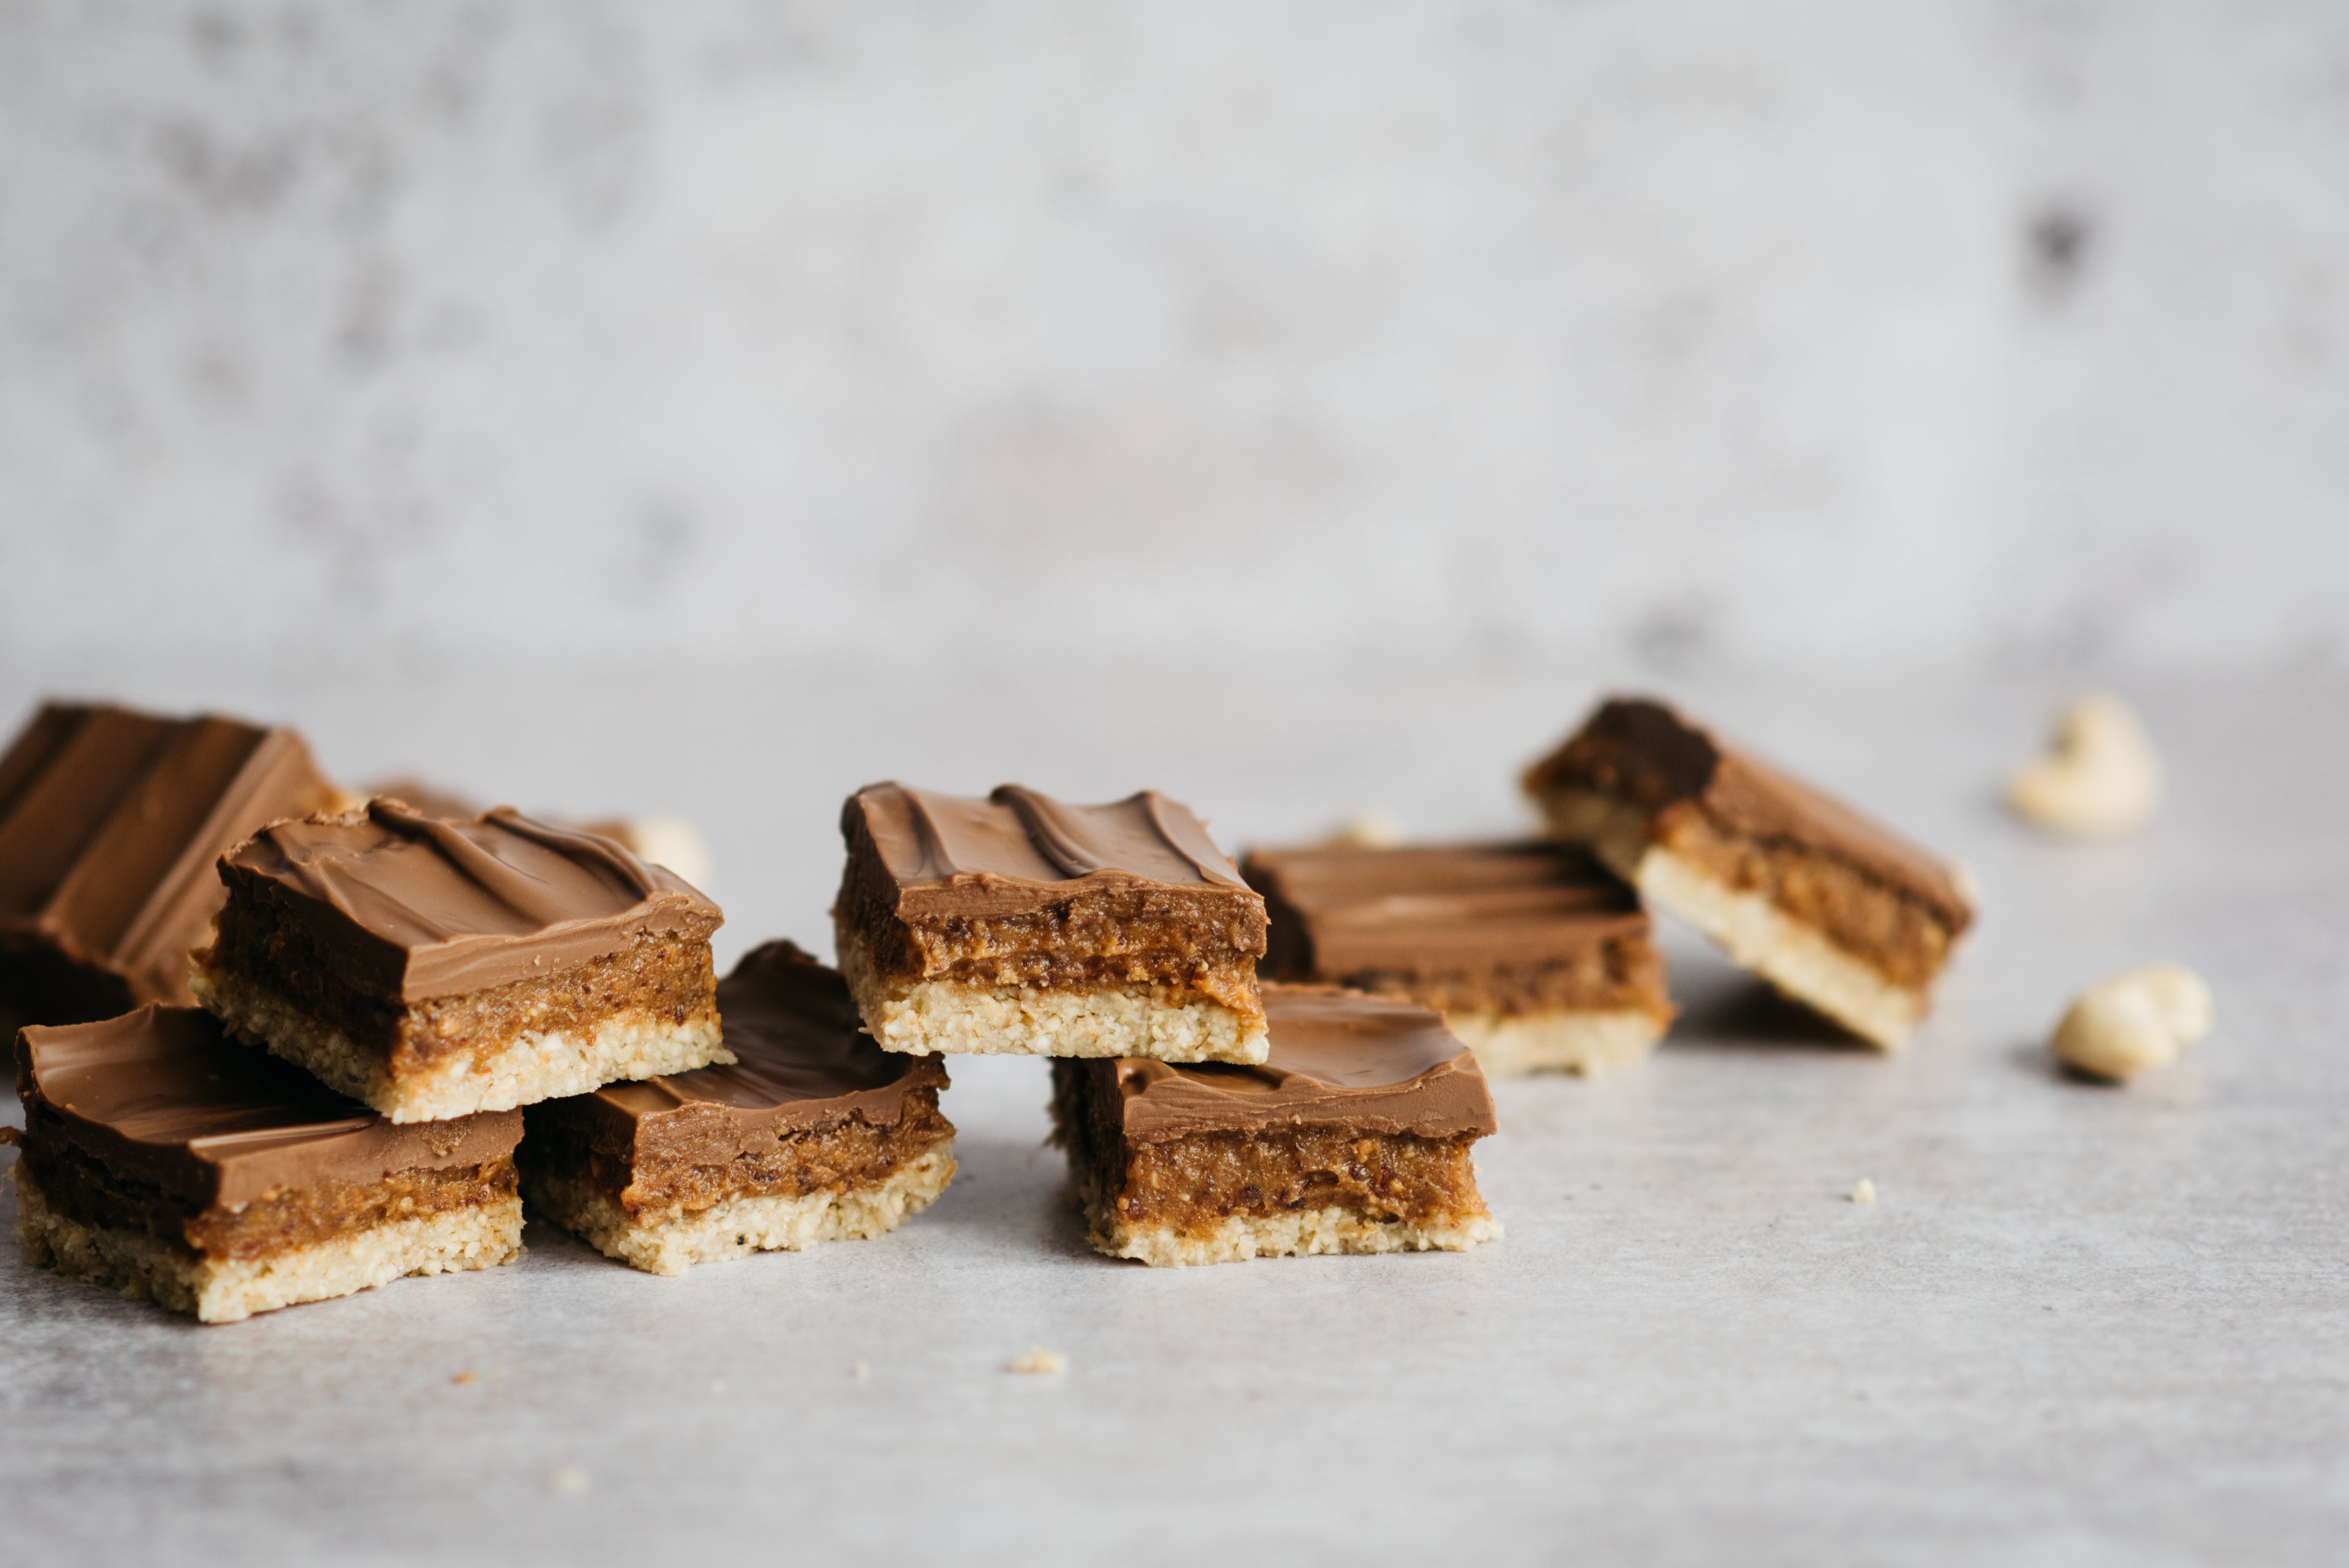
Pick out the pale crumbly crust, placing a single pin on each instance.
(671, 1241)
(1591, 1042)
(479, 1236)
(1303, 1232)
(532, 1066)
(1792, 955)
(948, 1017)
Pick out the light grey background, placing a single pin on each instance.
(1297, 408)
(1687, 330)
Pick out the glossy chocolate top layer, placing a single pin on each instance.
(1653, 756)
(417, 907)
(163, 1096)
(1339, 1058)
(111, 821)
(1337, 909)
(1016, 851)
(803, 1062)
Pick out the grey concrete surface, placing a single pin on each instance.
(2080, 1326)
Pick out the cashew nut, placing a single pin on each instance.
(673, 842)
(1368, 830)
(2100, 776)
(2133, 1020)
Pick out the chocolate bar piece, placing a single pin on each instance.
(433, 969)
(669, 841)
(1352, 1136)
(814, 1133)
(163, 1159)
(109, 823)
(1537, 956)
(1831, 908)
(1018, 924)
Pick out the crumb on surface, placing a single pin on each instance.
(862, 1369)
(567, 1479)
(466, 1378)
(1039, 1362)
(1863, 1191)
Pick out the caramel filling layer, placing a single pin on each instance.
(82, 1187)
(848, 1154)
(1194, 1182)
(664, 976)
(1900, 937)
(1204, 943)
(1608, 975)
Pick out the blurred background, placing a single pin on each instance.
(2010, 334)
(710, 408)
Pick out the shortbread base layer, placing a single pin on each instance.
(949, 1018)
(528, 1068)
(1306, 1232)
(1755, 933)
(230, 1290)
(672, 1242)
(1587, 1041)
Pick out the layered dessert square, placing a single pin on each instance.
(109, 823)
(812, 1134)
(1537, 956)
(166, 1160)
(1018, 924)
(433, 969)
(1833, 909)
(1353, 1135)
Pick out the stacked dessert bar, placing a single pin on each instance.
(1207, 1118)
(411, 1021)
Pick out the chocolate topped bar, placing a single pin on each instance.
(161, 1155)
(109, 823)
(1831, 906)
(1338, 1059)
(813, 1132)
(433, 968)
(1351, 1137)
(1537, 955)
(408, 906)
(1018, 923)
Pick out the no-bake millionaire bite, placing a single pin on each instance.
(433, 969)
(1019, 924)
(164, 1160)
(813, 1134)
(109, 823)
(1351, 1137)
(1832, 908)
(1537, 956)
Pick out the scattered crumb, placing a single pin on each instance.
(1039, 1362)
(567, 1479)
(862, 1369)
(466, 1378)
(1863, 1191)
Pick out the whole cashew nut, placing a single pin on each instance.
(2133, 1020)
(2101, 775)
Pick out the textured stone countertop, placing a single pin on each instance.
(2079, 1324)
